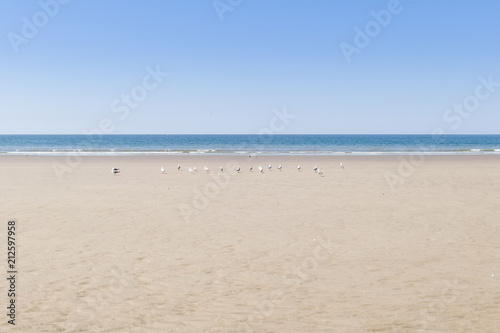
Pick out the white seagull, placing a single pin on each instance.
(261, 169)
(250, 169)
(320, 172)
(191, 170)
(178, 167)
(114, 171)
(221, 169)
(315, 168)
(162, 170)
(298, 167)
(238, 169)
(341, 165)
(194, 169)
(206, 169)
(280, 167)
(269, 167)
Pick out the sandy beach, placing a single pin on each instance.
(388, 244)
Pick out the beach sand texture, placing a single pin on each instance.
(282, 251)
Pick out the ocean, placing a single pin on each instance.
(57, 145)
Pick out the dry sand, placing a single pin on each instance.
(381, 246)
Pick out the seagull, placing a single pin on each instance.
(221, 169)
(238, 169)
(114, 171)
(191, 170)
(162, 170)
(315, 168)
(178, 167)
(194, 169)
(206, 169)
(298, 167)
(261, 169)
(280, 167)
(320, 172)
(341, 165)
(269, 167)
(250, 169)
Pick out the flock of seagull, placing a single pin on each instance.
(193, 170)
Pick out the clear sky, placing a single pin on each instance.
(86, 64)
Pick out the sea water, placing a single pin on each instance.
(248, 144)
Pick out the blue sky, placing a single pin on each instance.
(230, 75)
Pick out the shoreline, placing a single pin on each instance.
(463, 152)
(213, 157)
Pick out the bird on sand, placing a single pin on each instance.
(221, 169)
(315, 168)
(341, 165)
(320, 172)
(191, 170)
(238, 169)
(114, 171)
(206, 169)
(269, 167)
(298, 167)
(280, 167)
(178, 167)
(261, 169)
(250, 169)
(162, 170)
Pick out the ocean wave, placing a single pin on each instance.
(239, 153)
